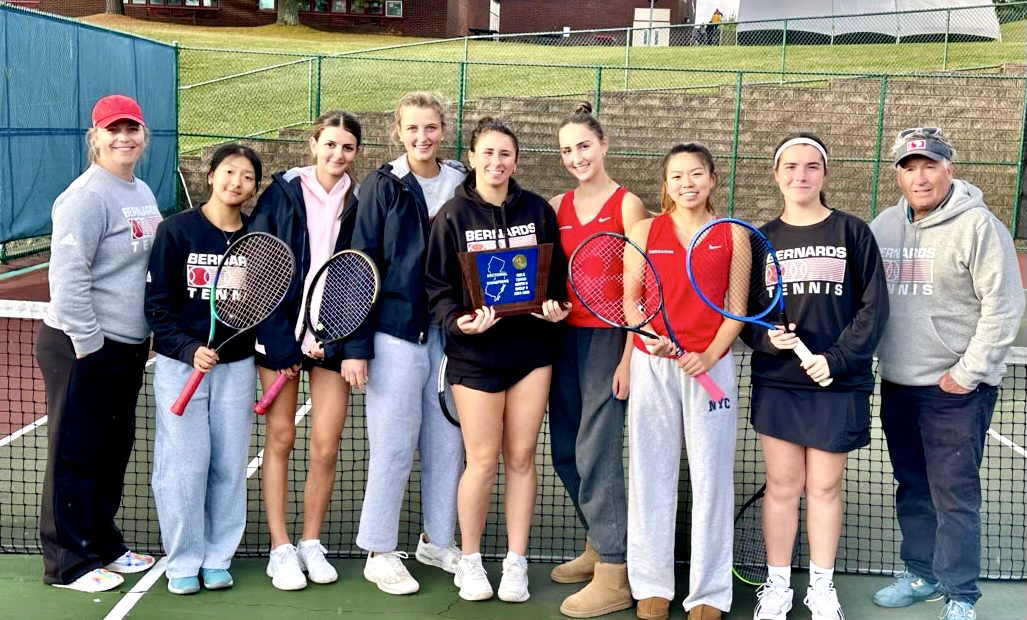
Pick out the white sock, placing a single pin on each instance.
(781, 574)
(820, 577)
(510, 555)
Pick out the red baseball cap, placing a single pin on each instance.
(113, 108)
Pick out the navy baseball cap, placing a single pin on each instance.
(923, 141)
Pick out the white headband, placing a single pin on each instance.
(795, 141)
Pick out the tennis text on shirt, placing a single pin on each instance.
(811, 270)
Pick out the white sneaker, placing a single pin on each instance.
(471, 578)
(131, 562)
(283, 567)
(386, 570)
(822, 602)
(96, 580)
(445, 558)
(513, 588)
(773, 600)
(312, 561)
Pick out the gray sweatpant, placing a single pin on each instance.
(666, 404)
(403, 414)
(199, 463)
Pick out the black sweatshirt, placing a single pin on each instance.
(185, 256)
(836, 294)
(466, 223)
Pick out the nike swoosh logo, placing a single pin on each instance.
(715, 247)
(604, 219)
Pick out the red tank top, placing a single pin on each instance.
(695, 324)
(573, 232)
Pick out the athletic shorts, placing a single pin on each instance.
(828, 421)
(483, 379)
(307, 363)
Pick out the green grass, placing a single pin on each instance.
(284, 88)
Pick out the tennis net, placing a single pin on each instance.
(870, 537)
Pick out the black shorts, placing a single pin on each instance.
(334, 364)
(828, 421)
(483, 379)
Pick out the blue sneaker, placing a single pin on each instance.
(216, 578)
(908, 589)
(959, 610)
(183, 585)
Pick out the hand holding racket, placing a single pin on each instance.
(753, 287)
(340, 298)
(249, 284)
(617, 283)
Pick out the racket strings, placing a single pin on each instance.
(254, 277)
(733, 269)
(614, 281)
(750, 553)
(346, 292)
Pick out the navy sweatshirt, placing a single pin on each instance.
(185, 256)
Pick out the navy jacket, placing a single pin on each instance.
(280, 211)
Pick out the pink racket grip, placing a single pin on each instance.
(805, 355)
(187, 393)
(712, 389)
(270, 395)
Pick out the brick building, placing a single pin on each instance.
(545, 15)
(417, 18)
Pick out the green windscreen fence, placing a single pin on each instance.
(55, 69)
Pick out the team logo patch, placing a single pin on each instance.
(143, 226)
(520, 261)
(913, 145)
(199, 276)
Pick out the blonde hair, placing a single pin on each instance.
(419, 99)
(93, 151)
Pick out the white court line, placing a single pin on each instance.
(128, 601)
(257, 460)
(1002, 439)
(40, 422)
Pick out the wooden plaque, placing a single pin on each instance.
(511, 280)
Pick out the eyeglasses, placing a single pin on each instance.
(927, 131)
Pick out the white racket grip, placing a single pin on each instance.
(805, 355)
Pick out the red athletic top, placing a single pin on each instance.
(572, 232)
(695, 324)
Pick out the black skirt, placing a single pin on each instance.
(828, 421)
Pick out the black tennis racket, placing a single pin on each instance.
(749, 562)
(341, 297)
(251, 281)
(446, 396)
(615, 281)
(734, 269)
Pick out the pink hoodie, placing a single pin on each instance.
(324, 217)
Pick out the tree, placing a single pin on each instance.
(288, 12)
(116, 7)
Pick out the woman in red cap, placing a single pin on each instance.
(92, 350)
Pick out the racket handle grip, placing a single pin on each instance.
(712, 389)
(805, 355)
(270, 395)
(178, 408)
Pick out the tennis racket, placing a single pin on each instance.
(251, 281)
(339, 300)
(446, 396)
(749, 562)
(753, 287)
(617, 283)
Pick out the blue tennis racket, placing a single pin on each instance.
(734, 269)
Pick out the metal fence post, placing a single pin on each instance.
(178, 121)
(310, 90)
(1014, 225)
(945, 50)
(599, 89)
(461, 96)
(317, 88)
(784, 47)
(734, 145)
(877, 146)
(627, 54)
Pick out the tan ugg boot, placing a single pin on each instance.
(608, 592)
(579, 569)
(704, 612)
(653, 608)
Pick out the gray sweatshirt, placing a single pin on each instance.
(103, 227)
(954, 290)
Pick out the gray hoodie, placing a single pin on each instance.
(103, 227)
(954, 290)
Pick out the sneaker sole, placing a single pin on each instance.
(934, 598)
(781, 616)
(482, 596)
(386, 588)
(184, 590)
(217, 585)
(510, 599)
(427, 561)
(68, 586)
(128, 570)
(323, 580)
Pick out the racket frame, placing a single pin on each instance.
(736, 565)
(453, 417)
(777, 302)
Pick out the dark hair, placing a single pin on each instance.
(229, 150)
(582, 115)
(666, 202)
(810, 136)
(337, 118)
(487, 125)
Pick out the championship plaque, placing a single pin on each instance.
(511, 280)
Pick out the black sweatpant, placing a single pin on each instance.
(91, 405)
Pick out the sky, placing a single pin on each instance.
(704, 9)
